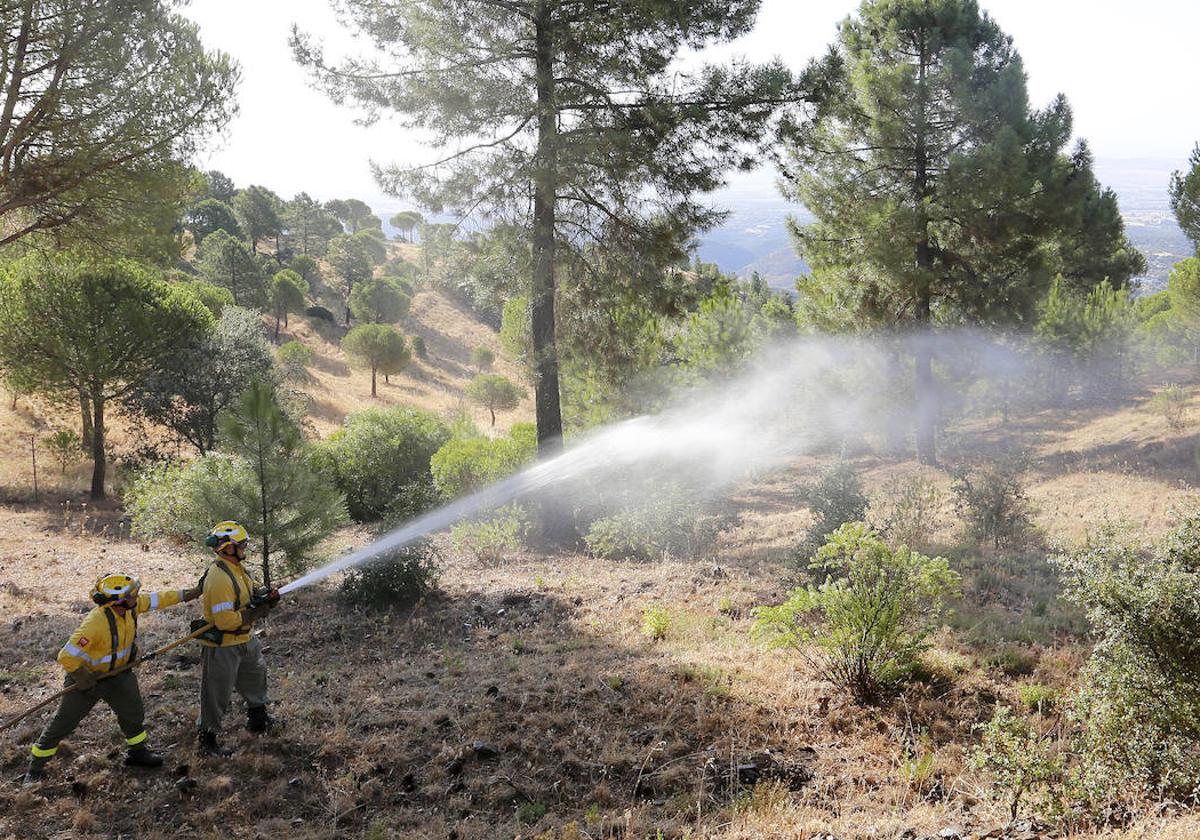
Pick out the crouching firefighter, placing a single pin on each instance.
(105, 641)
(232, 656)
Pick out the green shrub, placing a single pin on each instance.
(991, 500)
(656, 621)
(1171, 405)
(418, 347)
(380, 460)
(865, 626)
(65, 446)
(470, 462)
(493, 538)
(715, 681)
(293, 359)
(182, 501)
(1020, 762)
(397, 580)
(671, 522)
(1139, 707)
(907, 512)
(835, 498)
(1039, 698)
(1013, 661)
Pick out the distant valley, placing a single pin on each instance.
(755, 237)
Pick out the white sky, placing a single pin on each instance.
(1131, 72)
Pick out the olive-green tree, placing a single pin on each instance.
(97, 331)
(258, 209)
(587, 129)
(1185, 198)
(939, 195)
(379, 347)
(495, 393)
(224, 261)
(287, 292)
(379, 300)
(351, 262)
(100, 101)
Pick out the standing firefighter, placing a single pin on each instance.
(106, 640)
(232, 656)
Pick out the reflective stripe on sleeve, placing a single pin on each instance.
(75, 651)
(39, 752)
(221, 607)
(153, 600)
(136, 739)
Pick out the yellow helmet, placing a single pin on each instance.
(110, 588)
(224, 533)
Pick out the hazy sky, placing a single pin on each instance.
(1131, 71)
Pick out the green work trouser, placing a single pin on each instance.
(222, 670)
(122, 695)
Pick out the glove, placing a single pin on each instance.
(254, 613)
(192, 594)
(84, 678)
(212, 634)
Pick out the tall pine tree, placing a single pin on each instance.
(940, 196)
(571, 122)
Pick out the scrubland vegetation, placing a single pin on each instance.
(960, 599)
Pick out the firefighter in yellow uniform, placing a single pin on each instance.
(106, 640)
(232, 656)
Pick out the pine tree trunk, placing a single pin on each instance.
(372, 382)
(546, 397)
(276, 327)
(98, 448)
(927, 408)
(555, 516)
(85, 413)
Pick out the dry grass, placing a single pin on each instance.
(601, 732)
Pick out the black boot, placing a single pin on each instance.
(36, 770)
(142, 757)
(207, 745)
(257, 720)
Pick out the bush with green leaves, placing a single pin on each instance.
(470, 461)
(495, 393)
(494, 537)
(907, 511)
(992, 502)
(1021, 762)
(65, 446)
(835, 498)
(293, 359)
(670, 520)
(182, 501)
(865, 626)
(380, 460)
(418, 347)
(1139, 707)
(1171, 405)
(398, 579)
(482, 359)
(656, 622)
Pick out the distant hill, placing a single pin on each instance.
(755, 238)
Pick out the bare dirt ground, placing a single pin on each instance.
(524, 699)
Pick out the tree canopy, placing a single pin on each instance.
(93, 331)
(587, 129)
(101, 101)
(940, 196)
(1185, 198)
(378, 347)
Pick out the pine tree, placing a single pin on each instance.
(939, 195)
(293, 507)
(1185, 198)
(588, 130)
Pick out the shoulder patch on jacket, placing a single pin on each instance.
(83, 641)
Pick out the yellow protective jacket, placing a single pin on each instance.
(105, 640)
(227, 591)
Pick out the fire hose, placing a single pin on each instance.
(197, 632)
